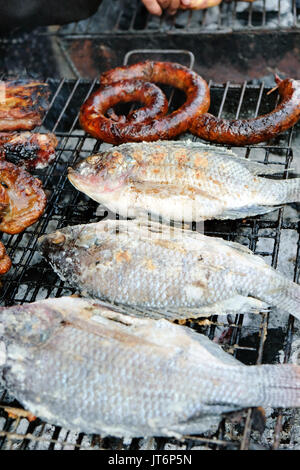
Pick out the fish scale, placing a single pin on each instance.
(91, 369)
(155, 271)
(186, 181)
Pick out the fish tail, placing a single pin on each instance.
(285, 296)
(275, 386)
(279, 385)
(291, 190)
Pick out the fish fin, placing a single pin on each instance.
(156, 224)
(285, 297)
(234, 305)
(292, 189)
(280, 385)
(257, 168)
(198, 425)
(237, 246)
(213, 348)
(255, 259)
(249, 211)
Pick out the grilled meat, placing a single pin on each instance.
(111, 128)
(27, 149)
(161, 271)
(180, 181)
(91, 115)
(79, 365)
(5, 262)
(22, 199)
(252, 131)
(22, 104)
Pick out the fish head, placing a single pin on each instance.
(57, 241)
(26, 326)
(102, 173)
(59, 247)
(71, 248)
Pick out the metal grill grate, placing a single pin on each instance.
(130, 17)
(251, 342)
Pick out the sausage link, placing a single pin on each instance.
(92, 113)
(253, 131)
(155, 128)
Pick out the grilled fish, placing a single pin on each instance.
(87, 368)
(181, 181)
(163, 271)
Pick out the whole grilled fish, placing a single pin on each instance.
(180, 181)
(166, 272)
(78, 365)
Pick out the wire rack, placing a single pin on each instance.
(257, 342)
(130, 17)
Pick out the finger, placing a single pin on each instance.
(198, 4)
(153, 7)
(185, 3)
(165, 4)
(173, 7)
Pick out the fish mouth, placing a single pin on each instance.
(51, 242)
(78, 180)
(83, 183)
(73, 175)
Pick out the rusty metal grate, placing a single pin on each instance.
(122, 17)
(256, 342)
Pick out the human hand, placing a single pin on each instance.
(156, 7)
(199, 4)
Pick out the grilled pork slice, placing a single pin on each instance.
(22, 199)
(22, 104)
(27, 149)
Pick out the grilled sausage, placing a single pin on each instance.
(92, 114)
(161, 127)
(252, 131)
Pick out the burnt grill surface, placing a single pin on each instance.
(258, 341)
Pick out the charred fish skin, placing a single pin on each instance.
(186, 181)
(87, 368)
(165, 272)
